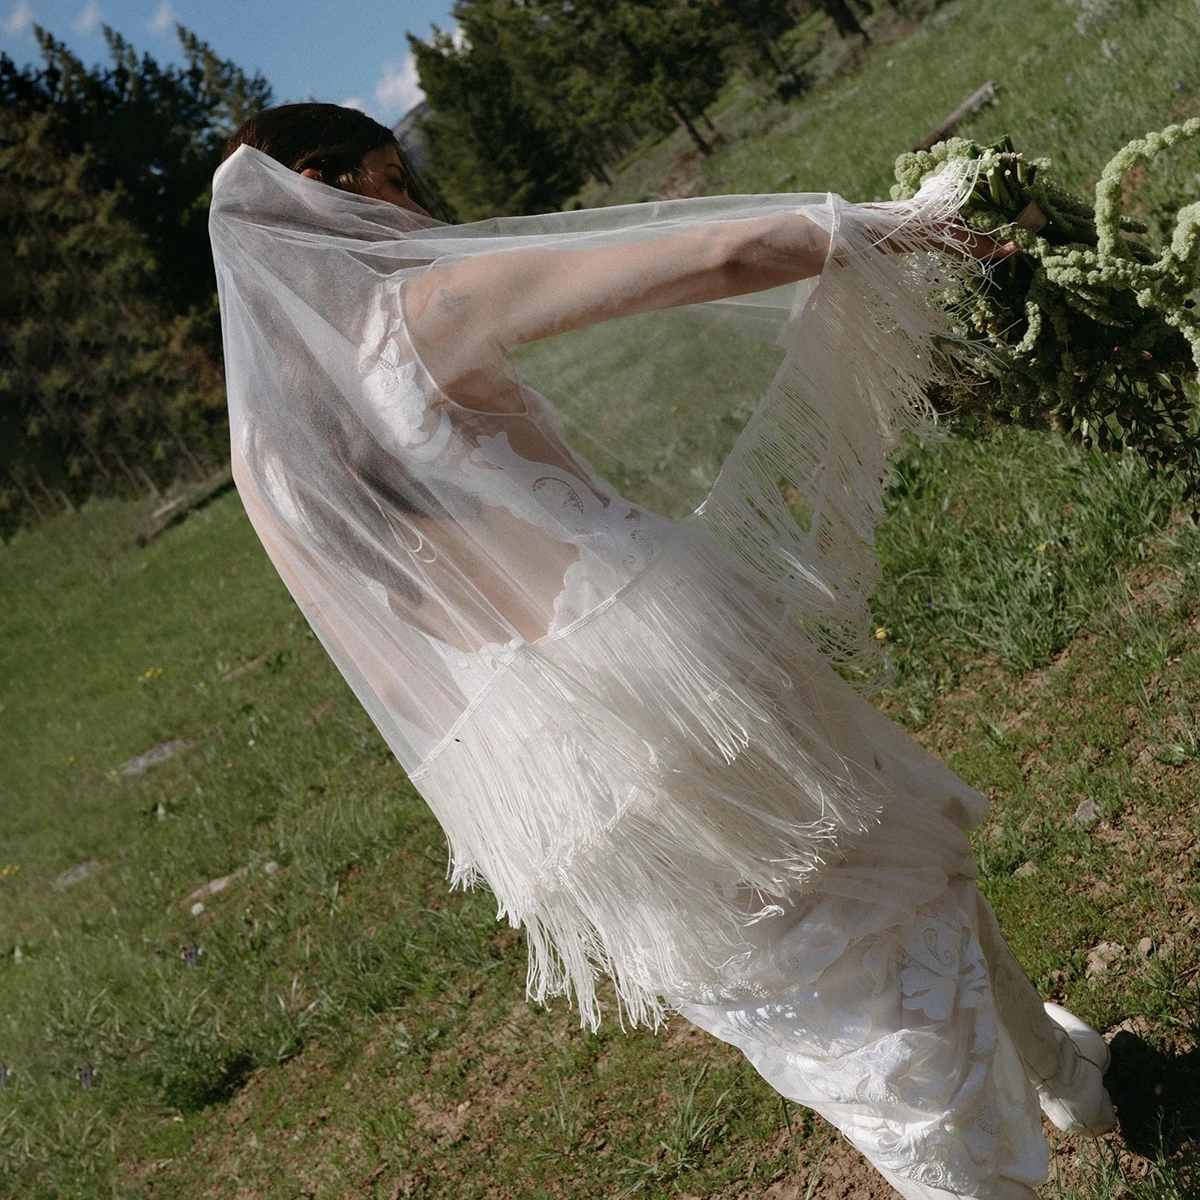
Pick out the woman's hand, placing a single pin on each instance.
(969, 242)
(974, 244)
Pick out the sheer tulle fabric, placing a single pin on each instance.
(617, 697)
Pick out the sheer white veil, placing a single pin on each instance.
(597, 628)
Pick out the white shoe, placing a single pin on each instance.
(1076, 1100)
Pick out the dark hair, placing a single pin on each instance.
(334, 140)
(330, 139)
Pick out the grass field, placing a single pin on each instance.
(331, 1022)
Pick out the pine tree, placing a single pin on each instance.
(154, 132)
(101, 389)
(668, 55)
(535, 95)
(844, 20)
(752, 29)
(495, 144)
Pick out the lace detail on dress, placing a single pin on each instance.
(903, 1068)
(474, 453)
(404, 421)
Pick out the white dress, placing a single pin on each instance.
(629, 727)
(909, 1024)
(882, 996)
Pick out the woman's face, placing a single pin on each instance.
(381, 176)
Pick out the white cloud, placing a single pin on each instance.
(89, 20)
(19, 20)
(163, 20)
(398, 88)
(354, 102)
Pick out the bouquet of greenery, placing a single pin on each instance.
(1089, 331)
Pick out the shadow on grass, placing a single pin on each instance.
(197, 1082)
(1156, 1095)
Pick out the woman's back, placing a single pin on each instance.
(559, 538)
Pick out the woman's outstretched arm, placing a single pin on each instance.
(466, 316)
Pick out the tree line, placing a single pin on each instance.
(110, 356)
(531, 98)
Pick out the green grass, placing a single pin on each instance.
(984, 560)
(350, 965)
(1076, 99)
(707, 381)
(334, 1023)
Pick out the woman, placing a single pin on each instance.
(629, 725)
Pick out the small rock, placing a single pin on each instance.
(1138, 1026)
(1085, 816)
(152, 757)
(213, 886)
(1146, 947)
(1103, 956)
(197, 909)
(1025, 870)
(244, 669)
(81, 870)
(271, 867)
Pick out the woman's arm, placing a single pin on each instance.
(465, 317)
(524, 295)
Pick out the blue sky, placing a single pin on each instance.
(350, 52)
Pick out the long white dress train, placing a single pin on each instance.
(909, 1026)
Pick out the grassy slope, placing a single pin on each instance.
(1077, 98)
(349, 1029)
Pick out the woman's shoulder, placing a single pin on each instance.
(442, 343)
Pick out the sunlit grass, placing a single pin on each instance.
(333, 1022)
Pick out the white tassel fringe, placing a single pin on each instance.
(681, 757)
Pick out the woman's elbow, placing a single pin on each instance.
(777, 251)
